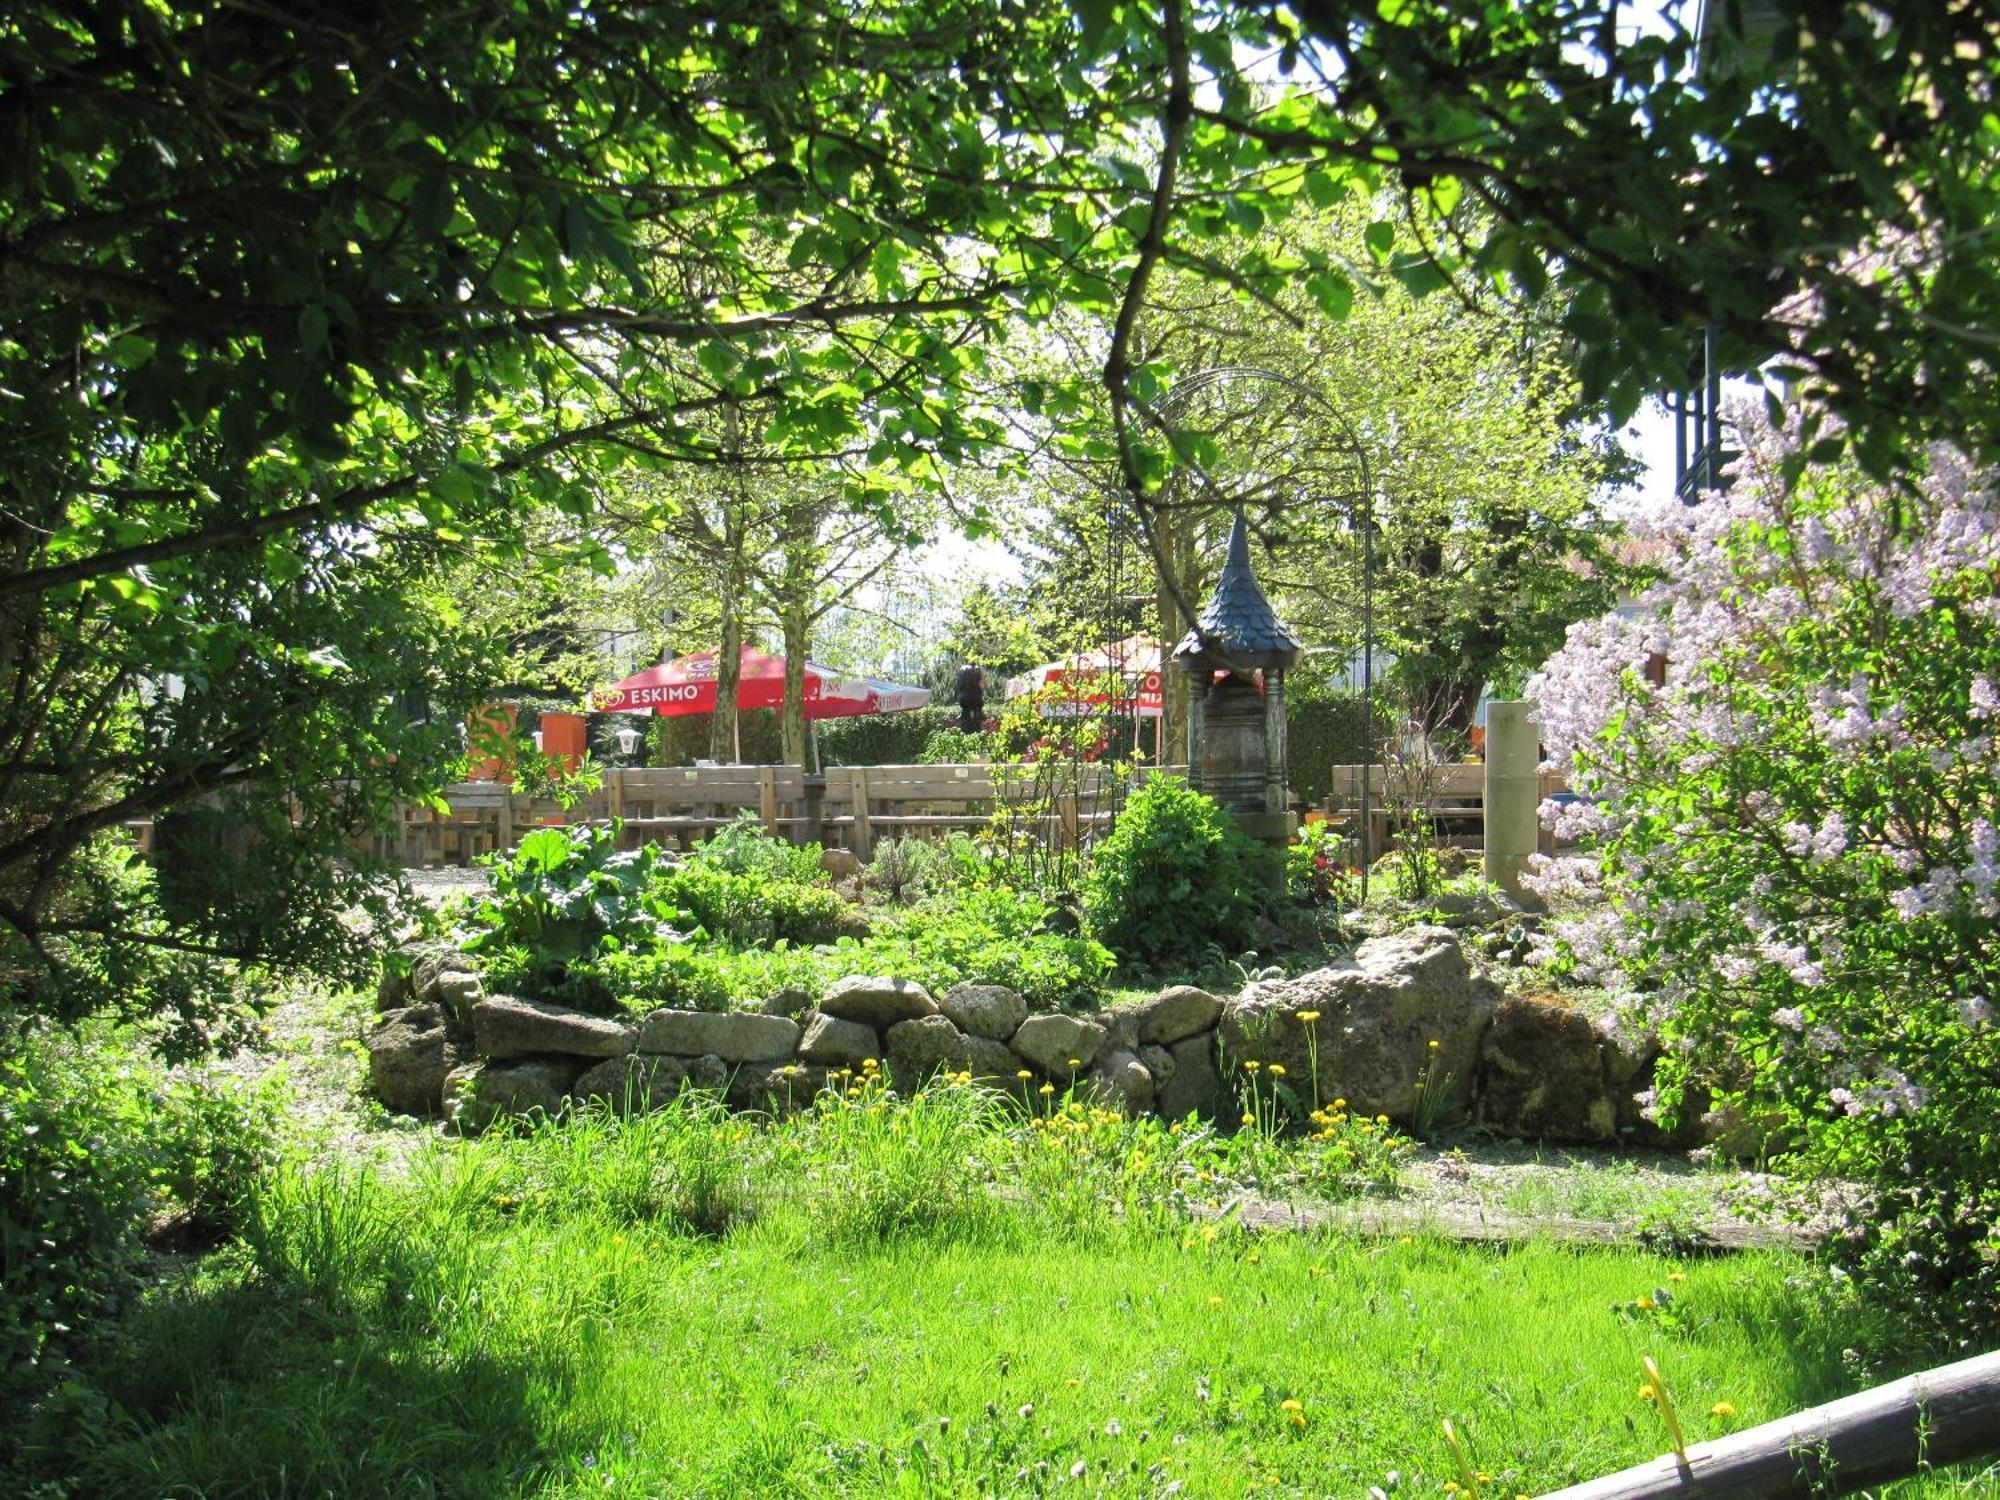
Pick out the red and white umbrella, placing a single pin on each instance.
(686, 685)
(1083, 683)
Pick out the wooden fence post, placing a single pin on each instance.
(864, 836)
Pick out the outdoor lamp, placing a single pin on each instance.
(628, 741)
(537, 738)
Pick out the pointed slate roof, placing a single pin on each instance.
(1238, 628)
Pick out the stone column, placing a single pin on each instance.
(1197, 713)
(1513, 791)
(1274, 742)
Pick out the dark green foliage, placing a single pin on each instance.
(682, 739)
(1322, 733)
(883, 739)
(97, 1145)
(1173, 878)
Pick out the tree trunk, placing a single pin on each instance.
(793, 717)
(722, 730)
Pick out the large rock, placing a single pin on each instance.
(459, 991)
(1544, 1074)
(1378, 1014)
(633, 1082)
(1122, 1082)
(877, 1002)
(930, 1045)
(409, 1056)
(1058, 1045)
(791, 1002)
(479, 1093)
(1191, 1085)
(504, 1026)
(1176, 1013)
(832, 1042)
(839, 864)
(989, 1010)
(734, 1037)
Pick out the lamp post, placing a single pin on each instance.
(1185, 390)
(628, 742)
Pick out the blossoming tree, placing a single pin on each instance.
(1796, 747)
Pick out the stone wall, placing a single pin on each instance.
(1407, 1028)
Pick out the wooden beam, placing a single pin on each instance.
(1940, 1417)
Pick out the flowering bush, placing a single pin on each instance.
(1796, 744)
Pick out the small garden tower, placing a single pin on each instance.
(1236, 734)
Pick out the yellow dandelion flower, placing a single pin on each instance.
(1249, 1119)
(1076, 1062)
(1381, 1119)
(1297, 1419)
(1307, 1017)
(1645, 1393)
(1025, 1073)
(1291, 1406)
(1048, 1088)
(1252, 1066)
(1722, 1409)
(1435, 1044)
(1340, 1104)
(1675, 1276)
(1277, 1070)
(1645, 1304)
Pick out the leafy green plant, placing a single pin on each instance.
(954, 746)
(1799, 835)
(1316, 868)
(97, 1147)
(748, 909)
(746, 847)
(1173, 877)
(565, 894)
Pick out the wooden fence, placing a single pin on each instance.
(848, 806)
(1452, 797)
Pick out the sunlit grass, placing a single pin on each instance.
(934, 1298)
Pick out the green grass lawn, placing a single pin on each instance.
(918, 1300)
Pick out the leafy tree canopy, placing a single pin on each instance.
(290, 299)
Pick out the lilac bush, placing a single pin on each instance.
(1796, 744)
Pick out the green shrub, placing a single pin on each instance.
(1314, 872)
(881, 739)
(954, 746)
(563, 896)
(1800, 840)
(1173, 878)
(97, 1145)
(749, 909)
(746, 847)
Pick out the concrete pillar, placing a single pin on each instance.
(1513, 791)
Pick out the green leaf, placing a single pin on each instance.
(129, 351)
(312, 328)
